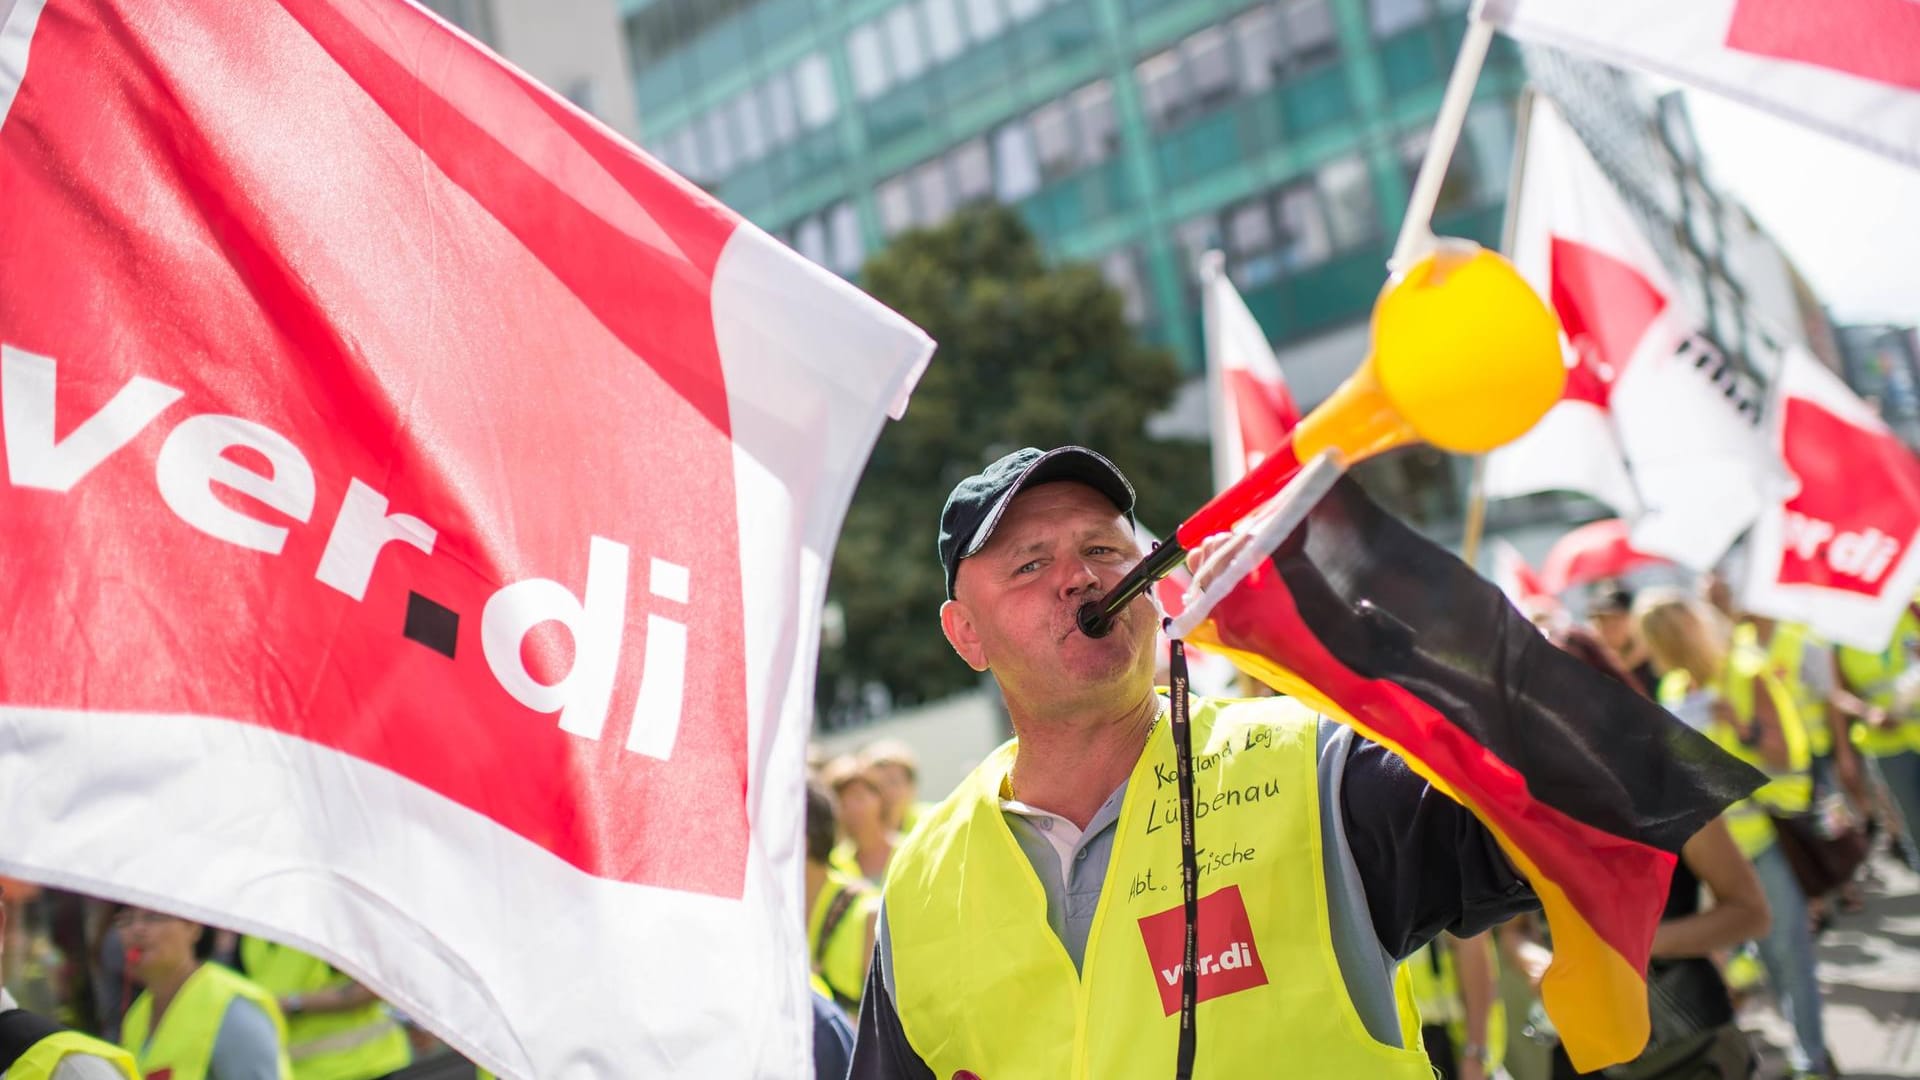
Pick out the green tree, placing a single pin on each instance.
(1030, 354)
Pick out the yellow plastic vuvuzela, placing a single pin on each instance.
(1465, 356)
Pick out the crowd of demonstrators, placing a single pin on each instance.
(141, 993)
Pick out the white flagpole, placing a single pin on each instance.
(1416, 229)
(1213, 267)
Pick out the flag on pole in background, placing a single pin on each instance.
(1850, 68)
(416, 513)
(1251, 408)
(1594, 551)
(1654, 422)
(1839, 553)
(1585, 783)
(1516, 579)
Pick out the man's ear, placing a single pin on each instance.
(957, 622)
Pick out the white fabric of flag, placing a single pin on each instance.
(1850, 68)
(1654, 422)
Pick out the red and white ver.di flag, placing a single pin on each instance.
(1652, 422)
(1839, 554)
(416, 512)
(1850, 68)
(1251, 408)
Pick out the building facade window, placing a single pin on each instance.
(1219, 64)
(894, 200)
(831, 238)
(1016, 166)
(1289, 229)
(1121, 268)
(972, 171)
(1389, 17)
(865, 57)
(945, 39)
(810, 240)
(1353, 215)
(813, 85)
(848, 249)
(903, 44)
(985, 19)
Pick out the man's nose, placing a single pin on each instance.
(1080, 576)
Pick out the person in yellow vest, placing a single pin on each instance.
(841, 912)
(1889, 681)
(1033, 924)
(1808, 666)
(196, 1020)
(1731, 694)
(894, 767)
(336, 1028)
(1463, 1025)
(868, 842)
(33, 1047)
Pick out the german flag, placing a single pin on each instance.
(1589, 788)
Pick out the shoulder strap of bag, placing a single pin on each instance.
(836, 914)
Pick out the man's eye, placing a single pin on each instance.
(1028, 567)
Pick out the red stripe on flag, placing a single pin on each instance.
(1606, 306)
(1585, 862)
(1872, 39)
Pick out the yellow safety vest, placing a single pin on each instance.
(841, 959)
(1434, 979)
(1789, 791)
(983, 985)
(355, 1044)
(184, 1043)
(1873, 676)
(1786, 657)
(44, 1056)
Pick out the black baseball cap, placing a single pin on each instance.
(977, 502)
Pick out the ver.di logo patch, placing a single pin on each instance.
(1229, 958)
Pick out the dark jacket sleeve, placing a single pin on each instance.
(880, 1047)
(1426, 863)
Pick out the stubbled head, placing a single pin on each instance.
(1017, 600)
(1026, 543)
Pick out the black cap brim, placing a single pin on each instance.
(1075, 463)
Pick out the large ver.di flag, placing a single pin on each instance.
(414, 520)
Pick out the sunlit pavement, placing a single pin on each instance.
(1870, 976)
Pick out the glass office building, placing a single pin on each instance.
(1132, 134)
